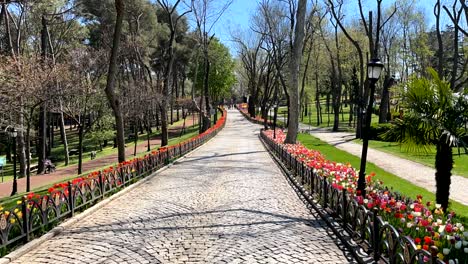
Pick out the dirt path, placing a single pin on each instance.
(69, 171)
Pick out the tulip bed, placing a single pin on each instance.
(389, 226)
(37, 213)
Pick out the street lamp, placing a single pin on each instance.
(275, 115)
(13, 134)
(374, 68)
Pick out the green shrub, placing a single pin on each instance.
(376, 131)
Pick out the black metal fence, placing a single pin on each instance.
(35, 214)
(379, 240)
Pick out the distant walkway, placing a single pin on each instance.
(72, 171)
(227, 202)
(416, 173)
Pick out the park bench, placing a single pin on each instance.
(33, 168)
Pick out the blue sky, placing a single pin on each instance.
(238, 15)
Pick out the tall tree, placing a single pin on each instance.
(110, 90)
(294, 69)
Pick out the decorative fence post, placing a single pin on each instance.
(376, 234)
(325, 193)
(344, 205)
(302, 174)
(25, 217)
(70, 199)
(101, 183)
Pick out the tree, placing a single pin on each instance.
(436, 116)
(112, 96)
(294, 69)
(172, 19)
(206, 15)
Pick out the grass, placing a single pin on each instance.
(327, 117)
(390, 180)
(425, 157)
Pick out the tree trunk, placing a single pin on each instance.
(206, 119)
(28, 157)
(294, 69)
(80, 147)
(164, 132)
(385, 101)
(63, 135)
(440, 45)
(42, 142)
(443, 165)
(50, 133)
(135, 131)
(111, 76)
(21, 151)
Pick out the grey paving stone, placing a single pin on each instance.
(226, 203)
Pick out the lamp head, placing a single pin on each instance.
(374, 69)
(13, 133)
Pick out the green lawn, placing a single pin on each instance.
(390, 180)
(327, 117)
(426, 157)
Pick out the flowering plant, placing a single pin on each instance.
(426, 223)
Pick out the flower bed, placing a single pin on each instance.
(393, 228)
(35, 214)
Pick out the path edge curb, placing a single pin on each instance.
(17, 253)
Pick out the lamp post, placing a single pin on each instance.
(13, 134)
(374, 68)
(275, 115)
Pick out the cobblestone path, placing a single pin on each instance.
(227, 202)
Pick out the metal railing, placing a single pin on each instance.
(379, 240)
(35, 214)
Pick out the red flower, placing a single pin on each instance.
(417, 240)
(448, 228)
(424, 222)
(51, 189)
(427, 240)
(30, 196)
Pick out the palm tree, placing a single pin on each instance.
(435, 116)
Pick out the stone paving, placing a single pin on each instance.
(227, 202)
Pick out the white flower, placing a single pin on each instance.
(458, 245)
(417, 214)
(438, 206)
(466, 250)
(366, 201)
(465, 243)
(441, 228)
(446, 251)
(439, 221)
(449, 237)
(412, 206)
(451, 261)
(409, 225)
